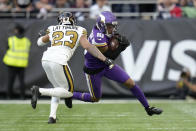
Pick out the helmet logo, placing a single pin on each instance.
(102, 18)
(107, 23)
(114, 22)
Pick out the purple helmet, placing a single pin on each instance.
(104, 19)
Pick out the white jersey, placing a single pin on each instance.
(64, 41)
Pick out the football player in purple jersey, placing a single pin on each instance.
(105, 28)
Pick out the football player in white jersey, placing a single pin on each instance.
(64, 39)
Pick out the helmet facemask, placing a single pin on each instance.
(66, 18)
(110, 29)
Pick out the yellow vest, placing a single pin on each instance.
(18, 52)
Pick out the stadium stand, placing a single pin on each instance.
(38, 8)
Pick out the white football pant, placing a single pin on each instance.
(61, 78)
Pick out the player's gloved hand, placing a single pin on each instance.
(122, 39)
(109, 63)
(153, 110)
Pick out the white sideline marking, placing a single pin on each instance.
(100, 102)
(173, 128)
(63, 128)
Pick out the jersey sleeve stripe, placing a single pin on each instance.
(47, 31)
(84, 32)
(101, 45)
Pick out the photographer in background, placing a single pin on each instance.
(182, 90)
(190, 84)
(181, 87)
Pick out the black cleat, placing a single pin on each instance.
(51, 120)
(68, 102)
(35, 95)
(153, 110)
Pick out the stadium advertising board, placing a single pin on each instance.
(159, 51)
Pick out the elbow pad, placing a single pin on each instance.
(40, 42)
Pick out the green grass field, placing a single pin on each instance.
(122, 116)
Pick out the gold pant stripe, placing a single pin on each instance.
(70, 75)
(91, 86)
(69, 78)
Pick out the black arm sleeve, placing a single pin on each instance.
(113, 54)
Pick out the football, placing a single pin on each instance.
(113, 43)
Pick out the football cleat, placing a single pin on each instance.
(153, 110)
(68, 102)
(35, 94)
(51, 120)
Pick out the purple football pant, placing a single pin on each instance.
(116, 74)
(94, 83)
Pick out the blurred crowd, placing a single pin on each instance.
(43, 7)
(164, 9)
(168, 9)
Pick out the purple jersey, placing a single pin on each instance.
(100, 40)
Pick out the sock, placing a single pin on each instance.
(139, 95)
(54, 106)
(82, 96)
(55, 92)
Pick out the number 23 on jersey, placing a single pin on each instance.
(58, 36)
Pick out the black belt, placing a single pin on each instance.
(92, 71)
